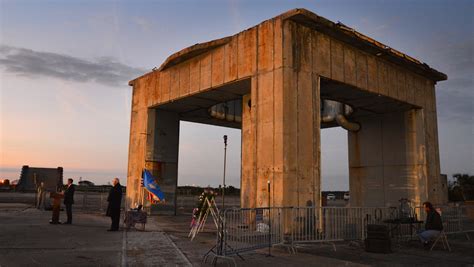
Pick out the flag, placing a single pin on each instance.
(150, 184)
(152, 198)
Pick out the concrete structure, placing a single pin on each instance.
(281, 71)
(31, 177)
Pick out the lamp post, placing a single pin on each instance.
(223, 179)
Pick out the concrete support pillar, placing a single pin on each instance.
(301, 139)
(162, 156)
(387, 160)
(248, 182)
(281, 140)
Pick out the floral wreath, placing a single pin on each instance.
(202, 205)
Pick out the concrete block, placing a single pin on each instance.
(247, 56)
(337, 60)
(194, 76)
(361, 70)
(165, 86)
(230, 60)
(265, 46)
(288, 35)
(372, 75)
(184, 79)
(303, 56)
(366, 186)
(350, 66)
(322, 54)
(277, 43)
(382, 75)
(205, 79)
(217, 67)
(392, 81)
(401, 85)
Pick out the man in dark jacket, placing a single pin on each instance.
(69, 199)
(115, 201)
(433, 225)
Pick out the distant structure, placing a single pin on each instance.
(85, 182)
(281, 82)
(30, 177)
(4, 183)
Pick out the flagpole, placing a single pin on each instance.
(142, 185)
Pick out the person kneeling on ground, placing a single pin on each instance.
(433, 225)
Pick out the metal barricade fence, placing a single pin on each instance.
(249, 229)
(242, 230)
(467, 219)
(311, 224)
(93, 200)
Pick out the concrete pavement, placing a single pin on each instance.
(27, 239)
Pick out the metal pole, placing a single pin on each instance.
(269, 222)
(36, 190)
(223, 182)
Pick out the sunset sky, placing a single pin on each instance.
(65, 67)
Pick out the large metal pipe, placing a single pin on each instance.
(229, 111)
(331, 111)
(334, 111)
(346, 124)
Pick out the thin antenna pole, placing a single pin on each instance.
(223, 180)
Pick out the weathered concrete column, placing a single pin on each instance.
(301, 119)
(387, 160)
(162, 156)
(248, 182)
(281, 140)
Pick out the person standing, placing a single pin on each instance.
(69, 199)
(115, 202)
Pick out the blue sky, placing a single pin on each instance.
(78, 116)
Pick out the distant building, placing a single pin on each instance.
(85, 183)
(4, 183)
(31, 177)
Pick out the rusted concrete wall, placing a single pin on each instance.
(262, 121)
(243, 57)
(301, 118)
(309, 54)
(248, 183)
(162, 155)
(137, 143)
(387, 160)
(284, 60)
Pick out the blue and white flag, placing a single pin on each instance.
(150, 184)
